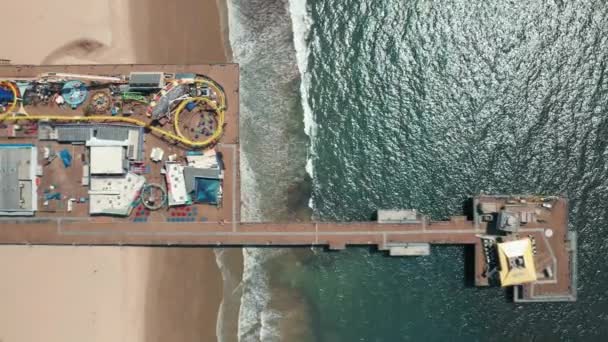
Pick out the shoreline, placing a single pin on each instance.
(182, 296)
(222, 7)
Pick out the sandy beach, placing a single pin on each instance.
(111, 293)
(178, 32)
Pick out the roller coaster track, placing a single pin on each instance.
(103, 118)
(216, 134)
(177, 136)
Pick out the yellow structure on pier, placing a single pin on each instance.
(516, 262)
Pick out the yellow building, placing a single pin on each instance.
(516, 262)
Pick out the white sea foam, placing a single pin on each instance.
(238, 44)
(255, 288)
(255, 295)
(249, 302)
(255, 291)
(251, 35)
(257, 321)
(219, 325)
(301, 22)
(250, 199)
(269, 330)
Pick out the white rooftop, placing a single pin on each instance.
(107, 160)
(208, 160)
(114, 195)
(176, 184)
(157, 154)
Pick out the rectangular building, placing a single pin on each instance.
(176, 184)
(398, 216)
(18, 190)
(107, 160)
(146, 80)
(111, 195)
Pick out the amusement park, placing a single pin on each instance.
(184, 108)
(139, 145)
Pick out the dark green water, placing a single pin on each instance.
(419, 104)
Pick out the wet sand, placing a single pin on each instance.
(111, 293)
(182, 296)
(178, 31)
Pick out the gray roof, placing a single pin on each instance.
(183, 75)
(68, 133)
(71, 133)
(146, 80)
(13, 165)
(191, 173)
(111, 133)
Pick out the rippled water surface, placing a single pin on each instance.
(423, 103)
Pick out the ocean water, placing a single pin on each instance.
(418, 104)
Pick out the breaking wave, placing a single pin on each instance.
(228, 310)
(273, 143)
(257, 321)
(301, 22)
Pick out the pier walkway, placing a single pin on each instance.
(554, 251)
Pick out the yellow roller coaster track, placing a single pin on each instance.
(220, 117)
(178, 136)
(61, 118)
